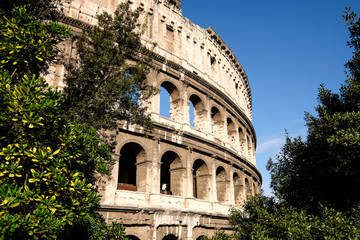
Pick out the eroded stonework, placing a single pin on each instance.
(181, 180)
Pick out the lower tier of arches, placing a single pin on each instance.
(170, 164)
(165, 224)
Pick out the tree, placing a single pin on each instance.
(47, 163)
(316, 180)
(325, 167)
(41, 9)
(106, 83)
(262, 218)
(27, 45)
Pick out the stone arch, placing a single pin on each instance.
(176, 151)
(132, 237)
(201, 237)
(217, 125)
(171, 171)
(242, 140)
(170, 237)
(249, 145)
(199, 112)
(221, 184)
(198, 232)
(201, 179)
(231, 132)
(131, 174)
(247, 188)
(237, 189)
(173, 98)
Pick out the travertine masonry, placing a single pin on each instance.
(180, 180)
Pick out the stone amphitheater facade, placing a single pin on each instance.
(179, 181)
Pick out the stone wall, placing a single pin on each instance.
(180, 180)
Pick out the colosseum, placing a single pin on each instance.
(179, 181)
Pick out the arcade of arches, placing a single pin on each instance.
(204, 178)
(178, 181)
(207, 116)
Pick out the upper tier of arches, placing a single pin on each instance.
(200, 51)
(196, 111)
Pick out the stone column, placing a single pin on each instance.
(200, 120)
(188, 179)
(212, 186)
(107, 191)
(207, 120)
(231, 193)
(156, 167)
(143, 171)
(176, 110)
(185, 105)
(153, 104)
(176, 179)
(203, 187)
(224, 132)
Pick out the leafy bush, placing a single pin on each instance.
(47, 163)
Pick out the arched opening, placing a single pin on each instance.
(191, 114)
(196, 112)
(132, 237)
(231, 132)
(129, 175)
(171, 174)
(169, 101)
(216, 122)
(202, 237)
(247, 188)
(221, 184)
(254, 189)
(201, 179)
(164, 103)
(170, 237)
(249, 148)
(241, 140)
(237, 189)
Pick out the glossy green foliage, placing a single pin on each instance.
(262, 218)
(325, 166)
(106, 83)
(28, 45)
(48, 164)
(42, 9)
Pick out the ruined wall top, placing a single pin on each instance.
(201, 51)
(177, 3)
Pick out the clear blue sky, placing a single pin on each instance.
(287, 48)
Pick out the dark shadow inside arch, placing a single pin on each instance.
(247, 188)
(221, 187)
(231, 132)
(237, 189)
(130, 154)
(202, 237)
(171, 174)
(201, 179)
(132, 237)
(216, 122)
(242, 140)
(170, 237)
